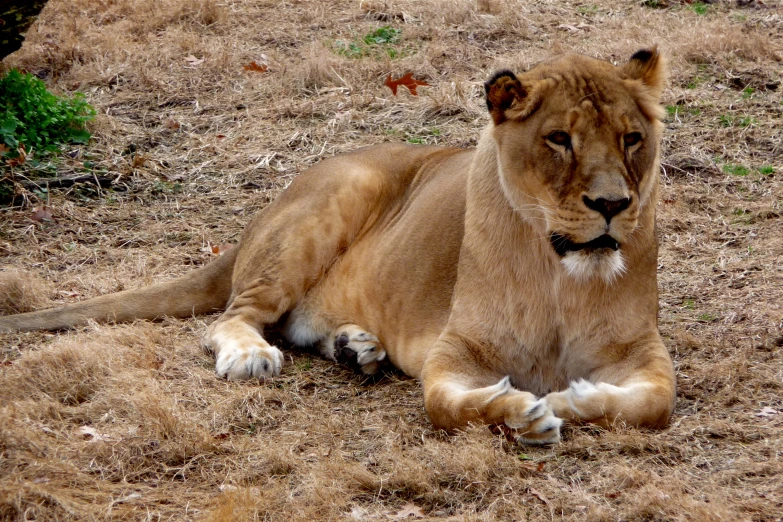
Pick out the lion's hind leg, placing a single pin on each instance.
(351, 345)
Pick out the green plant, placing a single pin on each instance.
(700, 8)
(33, 117)
(747, 92)
(381, 39)
(767, 170)
(166, 187)
(383, 35)
(425, 137)
(696, 81)
(725, 120)
(736, 170)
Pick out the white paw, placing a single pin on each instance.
(353, 347)
(538, 425)
(237, 362)
(241, 352)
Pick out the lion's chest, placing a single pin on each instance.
(546, 343)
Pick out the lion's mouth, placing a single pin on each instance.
(563, 245)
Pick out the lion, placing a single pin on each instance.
(516, 280)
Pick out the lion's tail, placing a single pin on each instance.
(203, 290)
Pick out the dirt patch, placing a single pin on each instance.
(129, 422)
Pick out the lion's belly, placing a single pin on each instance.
(397, 279)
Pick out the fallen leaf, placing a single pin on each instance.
(409, 510)
(253, 66)
(172, 124)
(92, 434)
(20, 159)
(540, 496)
(42, 213)
(767, 412)
(219, 250)
(407, 81)
(127, 498)
(3, 148)
(193, 61)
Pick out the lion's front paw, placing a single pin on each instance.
(353, 347)
(534, 424)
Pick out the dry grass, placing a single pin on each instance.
(129, 423)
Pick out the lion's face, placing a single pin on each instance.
(578, 146)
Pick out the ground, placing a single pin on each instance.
(129, 422)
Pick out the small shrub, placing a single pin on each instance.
(33, 117)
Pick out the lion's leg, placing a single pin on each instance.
(241, 352)
(639, 391)
(285, 251)
(352, 346)
(459, 390)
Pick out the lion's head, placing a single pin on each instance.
(578, 145)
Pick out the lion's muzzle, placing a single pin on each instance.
(563, 245)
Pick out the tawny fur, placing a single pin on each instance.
(440, 261)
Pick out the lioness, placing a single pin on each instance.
(516, 280)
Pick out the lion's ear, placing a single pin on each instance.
(649, 67)
(503, 90)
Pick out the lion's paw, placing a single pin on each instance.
(352, 346)
(240, 362)
(241, 353)
(535, 425)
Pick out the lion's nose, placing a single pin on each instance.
(608, 208)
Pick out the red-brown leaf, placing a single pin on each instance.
(407, 81)
(42, 213)
(409, 510)
(20, 159)
(253, 66)
(219, 250)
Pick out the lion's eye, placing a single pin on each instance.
(559, 138)
(632, 138)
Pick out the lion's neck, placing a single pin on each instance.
(498, 235)
(509, 277)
